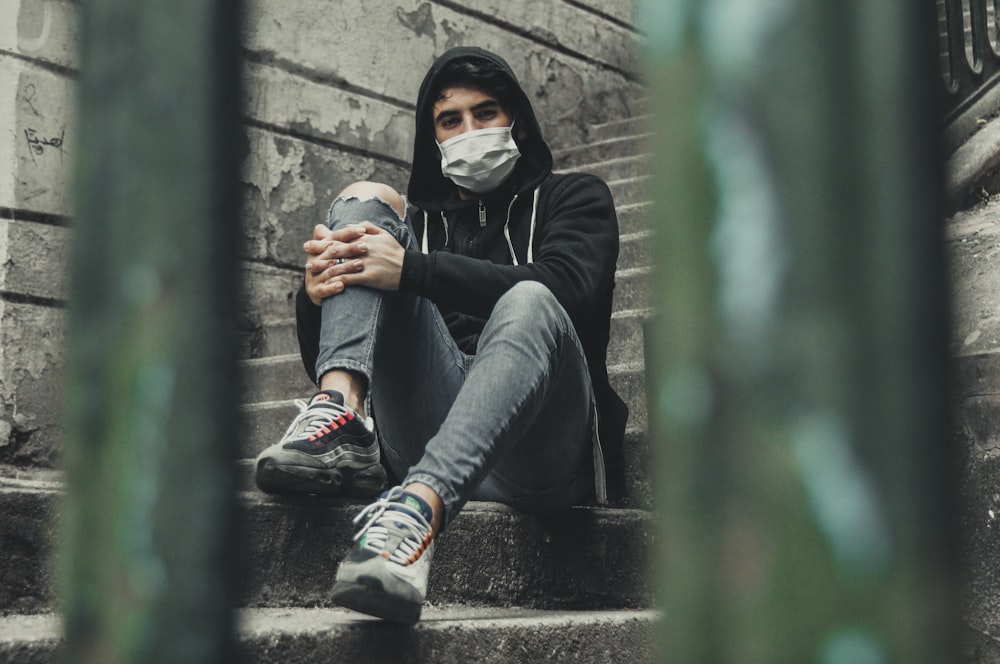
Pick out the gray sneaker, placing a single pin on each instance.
(328, 448)
(385, 573)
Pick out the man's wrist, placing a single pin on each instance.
(305, 298)
(414, 274)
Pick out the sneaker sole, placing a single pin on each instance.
(374, 601)
(273, 477)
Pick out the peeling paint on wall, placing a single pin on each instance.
(420, 20)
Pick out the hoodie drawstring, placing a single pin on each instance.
(531, 229)
(424, 243)
(506, 230)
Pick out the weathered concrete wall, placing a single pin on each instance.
(330, 90)
(37, 55)
(973, 245)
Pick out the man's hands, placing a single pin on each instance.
(372, 257)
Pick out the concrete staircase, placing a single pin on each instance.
(505, 587)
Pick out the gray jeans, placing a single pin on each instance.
(512, 423)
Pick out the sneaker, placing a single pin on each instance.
(328, 448)
(385, 572)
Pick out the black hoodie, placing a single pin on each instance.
(469, 265)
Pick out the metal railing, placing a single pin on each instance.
(969, 51)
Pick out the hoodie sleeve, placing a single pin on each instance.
(307, 325)
(576, 249)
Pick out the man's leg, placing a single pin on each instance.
(398, 344)
(511, 424)
(519, 431)
(417, 371)
(350, 318)
(330, 447)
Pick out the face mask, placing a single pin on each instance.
(479, 160)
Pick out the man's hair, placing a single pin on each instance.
(477, 73)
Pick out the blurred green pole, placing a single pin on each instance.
(799, 407)
(147, 553)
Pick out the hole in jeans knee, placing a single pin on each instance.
(375, 191)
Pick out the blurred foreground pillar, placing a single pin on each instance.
(798, 399)
(147, 556)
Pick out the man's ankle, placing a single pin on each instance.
(348, 383)
(431, 498)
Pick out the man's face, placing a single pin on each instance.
(461, 109)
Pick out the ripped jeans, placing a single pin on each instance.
(512, 423)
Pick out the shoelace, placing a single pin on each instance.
(315, 423)
(401, 517)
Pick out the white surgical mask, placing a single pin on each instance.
(481, 159)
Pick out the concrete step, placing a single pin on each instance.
(27, 533)
(629, 381)
(30, 639)
(627, 334)
(584, 558)
(634, 250)
(977, 401)
(273, 384)
(631, 289)
(979, 527)
(604, 150)
(614, 169)
(629, 191)
(445, 635)
(278, 337)
(634, 217)
(633, 126)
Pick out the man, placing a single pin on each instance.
(472, 324)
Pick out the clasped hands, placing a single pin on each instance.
(371, 257)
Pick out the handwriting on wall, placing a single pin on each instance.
(40, 141)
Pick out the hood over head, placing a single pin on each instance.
(428, 188)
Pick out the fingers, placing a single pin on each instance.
(342, 234)
(370, 228)
(334, 258)
(327, 278)
(328, 268)
(321, 232)
(336, 254)
(324, 237)
(341, 250)
(319, 291)
(351, 232)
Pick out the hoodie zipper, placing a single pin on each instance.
(482, 214)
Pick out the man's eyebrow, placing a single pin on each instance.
(485, 104)
(444, 114)
(489, 103)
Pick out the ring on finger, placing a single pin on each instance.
(340, 261)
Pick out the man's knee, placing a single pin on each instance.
(531, 299)
(383, 192)
(529, 312)
(524, 292)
